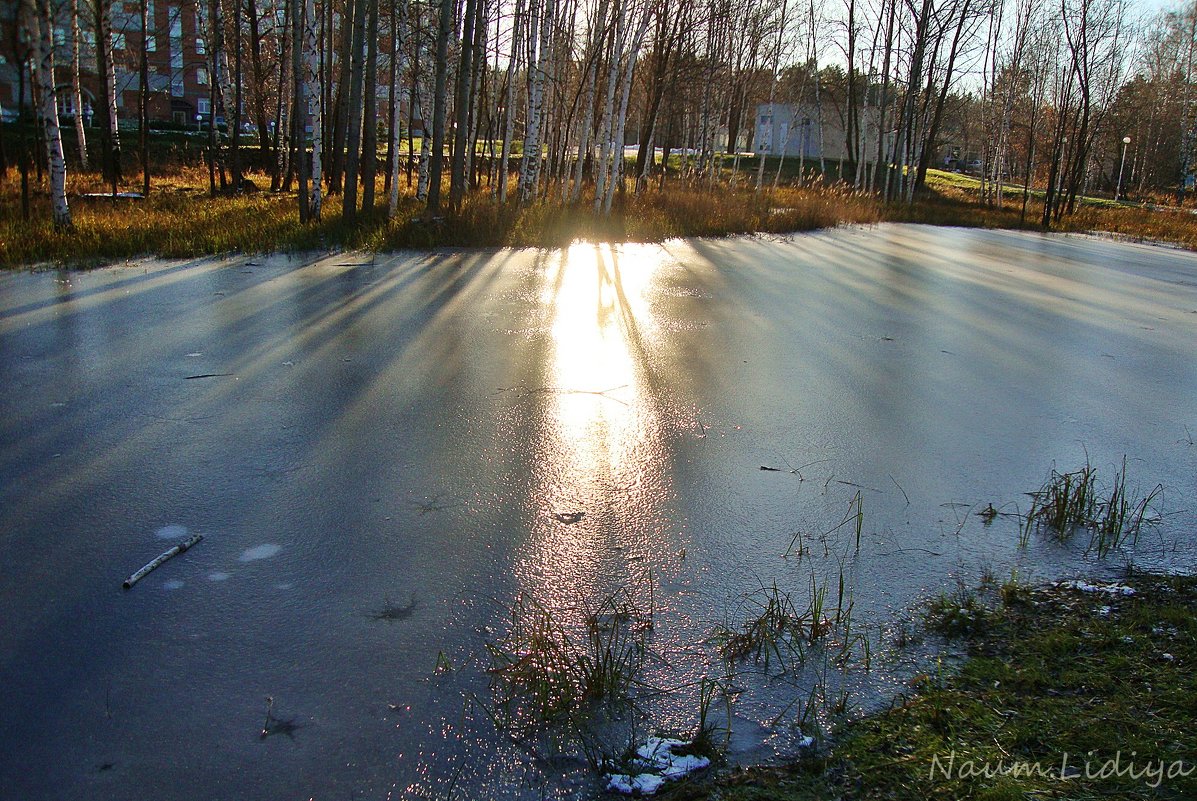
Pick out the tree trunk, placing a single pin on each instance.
(354, 120)
(341, 112)
(539, 44)
(143, 101)
(398, 54)
(392, 98)
(110, 140)
(622, 118)
(509, 102)
(259, 79)
(235, 125)
(300, 23)
(284, 38)
(76, 86)
(457, 175)
(220, 64)
(370, 123)
(315, 100)
(41, 28)
(439, 112)
(591, 80)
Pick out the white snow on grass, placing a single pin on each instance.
(172, 584)
(260, 552)
(644, 783)
(660, 765)
(1108, 589)
(218, 575)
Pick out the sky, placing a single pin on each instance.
(1150, 7)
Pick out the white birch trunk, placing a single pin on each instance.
(423, 176)
(41, 29)
(548, 42)
(592, 65)
(622, 118)
(538, 44)
(313, 104)
(532, 121)
(220, 62)
(819, 122)
(509, 101)
(77, 84)
(605, 128)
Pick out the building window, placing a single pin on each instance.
(201, 47)
(89, 38)
(176, 87)
(118, 41)
(60, 36)
(176, 27)
(203, 105)
(201, 76)
(176, 56)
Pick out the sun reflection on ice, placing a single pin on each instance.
(601, 475)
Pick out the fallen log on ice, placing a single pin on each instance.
(175, 551)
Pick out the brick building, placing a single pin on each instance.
(178, 61)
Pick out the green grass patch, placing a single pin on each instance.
(1064, 694)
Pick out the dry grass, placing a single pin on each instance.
(180, 219)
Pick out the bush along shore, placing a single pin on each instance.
(1077, 689)
(179, 219)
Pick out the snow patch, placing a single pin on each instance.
(260, 552)
(644, 783)
(172, 532)
(172, 584)
(218, 576)
(660, 765)
(1108, 589)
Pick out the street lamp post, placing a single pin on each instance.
(1118, 189)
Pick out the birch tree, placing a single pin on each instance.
(540, 31)
(439, 112)
(110, 139)
(314, 104)
(40, 19)
(77, 83)
(509, 101)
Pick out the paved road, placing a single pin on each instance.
(416, 434)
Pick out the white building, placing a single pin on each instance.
(795, 130)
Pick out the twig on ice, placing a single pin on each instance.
(175, 551)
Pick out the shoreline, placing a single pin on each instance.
(1068, 687)
(175, 222)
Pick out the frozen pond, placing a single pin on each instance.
(383, 453)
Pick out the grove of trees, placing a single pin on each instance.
(577, 101)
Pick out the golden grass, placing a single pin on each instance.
(180, 219)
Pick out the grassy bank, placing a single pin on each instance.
(1066, 693)
(180, 219)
